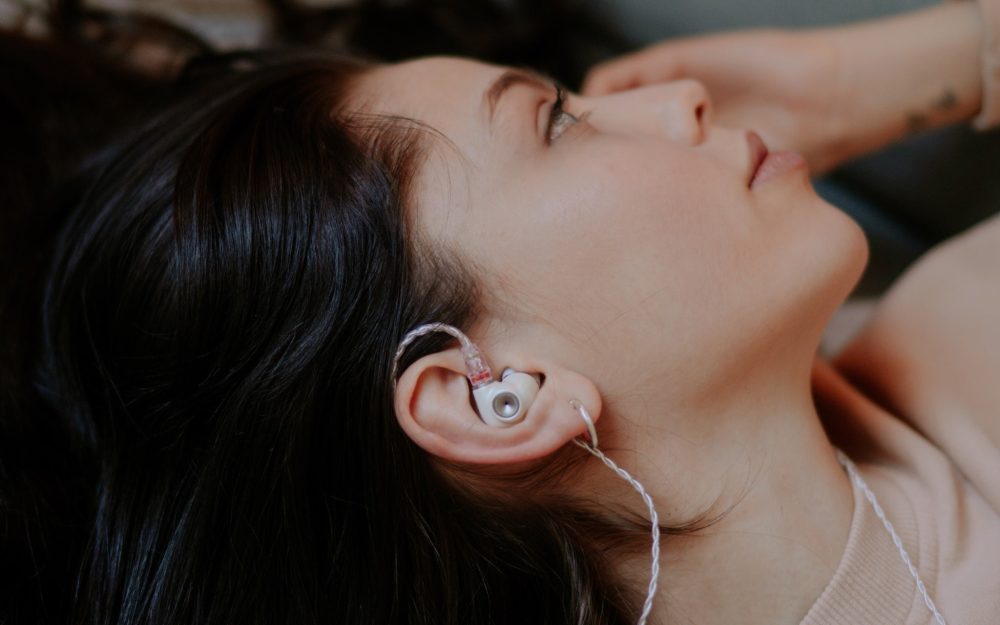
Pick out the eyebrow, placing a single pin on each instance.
(510, 78)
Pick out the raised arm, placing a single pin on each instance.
(907, 73)
(831, 93)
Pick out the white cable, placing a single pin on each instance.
(870, 496)
(479, 374)
(474, 357)
(654, 574)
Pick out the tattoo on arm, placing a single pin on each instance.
(947, 101)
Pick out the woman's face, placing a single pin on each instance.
(627, 240)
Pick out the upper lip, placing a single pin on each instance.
(758, 152)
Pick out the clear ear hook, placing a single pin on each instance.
(479, 374)
(476, 368)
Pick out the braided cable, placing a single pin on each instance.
(654, 518)
(870, 496)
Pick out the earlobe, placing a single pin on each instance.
(434, 406)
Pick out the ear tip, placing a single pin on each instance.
(515, 388)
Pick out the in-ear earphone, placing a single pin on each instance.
(505, 402)
(500, 402)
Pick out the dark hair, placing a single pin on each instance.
(561, 37)
(201, 428)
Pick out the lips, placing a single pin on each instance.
(765, 165)
(758, 152)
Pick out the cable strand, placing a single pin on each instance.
(870, 496)
(654, 518)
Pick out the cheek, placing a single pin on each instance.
(619, 227)
(662, 216)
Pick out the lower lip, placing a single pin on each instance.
(777, 164)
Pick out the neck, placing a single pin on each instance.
(755, 457)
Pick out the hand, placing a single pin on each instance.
(784, 85)
(829, 93)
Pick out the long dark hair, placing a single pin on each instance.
(197, 423)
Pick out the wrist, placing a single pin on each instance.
(905, 74)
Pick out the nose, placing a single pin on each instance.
(680, 110)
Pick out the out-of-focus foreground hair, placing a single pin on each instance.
(207, 269)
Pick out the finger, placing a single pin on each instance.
(606, 78)
(658, 64)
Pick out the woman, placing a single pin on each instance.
(230, 285)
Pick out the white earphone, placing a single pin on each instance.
(499, 403)
(506, 402)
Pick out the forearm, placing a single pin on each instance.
(906, 74)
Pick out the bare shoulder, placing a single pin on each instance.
(931, 351)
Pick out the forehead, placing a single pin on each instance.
(448, 95)
(444, 93)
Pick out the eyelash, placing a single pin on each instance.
(560, 119)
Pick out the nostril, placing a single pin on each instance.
(700, 113)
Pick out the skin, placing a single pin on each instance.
(944, 383)
(632, 265)
(817, 90)
(629, 264)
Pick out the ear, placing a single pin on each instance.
(434, 406)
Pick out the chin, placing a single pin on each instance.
(852, 253)
(826, 264)
(845, 257)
